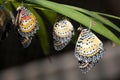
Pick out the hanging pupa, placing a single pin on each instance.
(88, 50)
(27, 25)
(62, 33)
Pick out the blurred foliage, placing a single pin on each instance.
(82, 16)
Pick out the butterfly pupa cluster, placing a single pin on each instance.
(88, 50)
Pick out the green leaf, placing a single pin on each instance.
(1, 1)
(50, 15)
(15, 4)
(79, 17)
(42, 33)
(98, 17)
(108, 15)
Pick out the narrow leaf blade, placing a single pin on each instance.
(42, 33)
(98, 17)
(79, 17)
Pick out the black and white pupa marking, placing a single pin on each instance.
(62, 33)
(88, 50)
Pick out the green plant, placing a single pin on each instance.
(80, 15)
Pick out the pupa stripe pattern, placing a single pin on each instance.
(88, 50)
(62, 33)
(28, 25)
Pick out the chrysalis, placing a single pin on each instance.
(62, 33)
(27, 25)
(88, 50)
